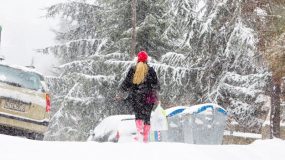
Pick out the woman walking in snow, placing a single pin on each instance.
(142, 84)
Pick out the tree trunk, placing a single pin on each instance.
(0, 35)
(134, 15)
(275, 108)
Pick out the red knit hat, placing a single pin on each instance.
(142, 56)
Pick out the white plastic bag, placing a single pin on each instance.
(158, 119)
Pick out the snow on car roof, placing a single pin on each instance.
(110, 124)
(24, 69)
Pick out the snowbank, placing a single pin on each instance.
(14, 148)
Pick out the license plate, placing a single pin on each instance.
(15, 106)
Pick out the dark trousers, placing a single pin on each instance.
(141, 108)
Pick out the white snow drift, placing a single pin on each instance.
(14, 148)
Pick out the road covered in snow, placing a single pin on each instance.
(15, 148)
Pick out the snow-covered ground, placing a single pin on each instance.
(15, 148)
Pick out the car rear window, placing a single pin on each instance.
(20, 78)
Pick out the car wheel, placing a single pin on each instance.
(35, 136)
(39, 137)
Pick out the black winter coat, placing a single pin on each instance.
(150, 84)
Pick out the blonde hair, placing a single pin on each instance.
(140, 73)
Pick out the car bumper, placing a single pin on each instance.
(37, 126)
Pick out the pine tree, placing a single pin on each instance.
(85, 88)
(216, 61)
(202, 50)
(94, 49)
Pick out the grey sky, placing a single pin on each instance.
(24, 30)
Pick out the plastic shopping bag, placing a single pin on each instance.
(158, 119)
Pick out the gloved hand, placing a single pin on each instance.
(121, 96)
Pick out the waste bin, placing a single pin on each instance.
(199, 124)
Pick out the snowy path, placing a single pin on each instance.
(13, 148)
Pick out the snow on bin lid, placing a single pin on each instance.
(203, 107)
(194, 109)
(175, 110)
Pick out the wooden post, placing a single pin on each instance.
(134, 36)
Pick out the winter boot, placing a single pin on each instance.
(146, 130)
(139, 134)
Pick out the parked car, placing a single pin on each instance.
(24, 102)
(116, 128)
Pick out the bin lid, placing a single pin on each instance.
(201, 108)
(175, 110)
(196, 109)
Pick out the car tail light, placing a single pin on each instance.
(48, 103)
(117, 136)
